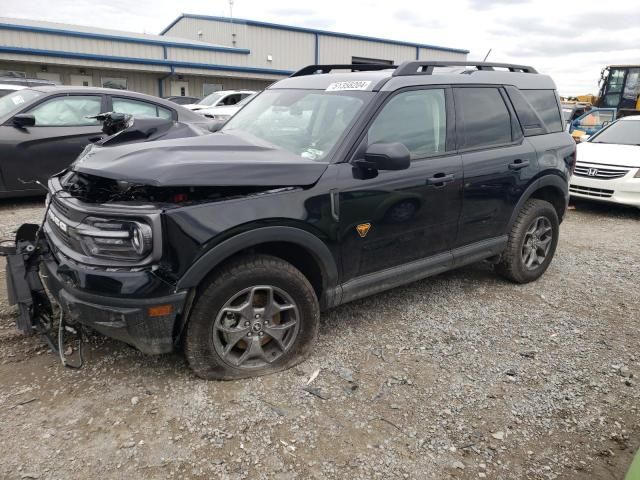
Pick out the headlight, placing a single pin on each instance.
(220, 118)
(115, 239)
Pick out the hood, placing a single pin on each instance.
(225, 110)
(218, 159)
(609, 154)
(194, 106)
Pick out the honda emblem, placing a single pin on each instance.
(592, 172)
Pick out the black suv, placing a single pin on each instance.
(326, 188)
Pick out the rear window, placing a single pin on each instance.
(545, 104)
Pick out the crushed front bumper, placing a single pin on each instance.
(122, 318)
(135, 307)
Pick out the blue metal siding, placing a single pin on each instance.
(310, 30)
(116, 38)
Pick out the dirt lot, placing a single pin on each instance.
(463, 375)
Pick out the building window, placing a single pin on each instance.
(209, 88)
(114, 82)
(363, 60)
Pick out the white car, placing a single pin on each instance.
(220, 98)
(608, 164)
(7, 88)
(225, 112)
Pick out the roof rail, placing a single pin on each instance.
(426, 67)
(364, 67)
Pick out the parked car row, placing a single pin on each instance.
(44, 128)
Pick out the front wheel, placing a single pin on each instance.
(532, 242)
(257, 315)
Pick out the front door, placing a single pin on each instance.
(498, 162)
(179, 88)
(61, 131)
(81, 80)
(402, 216)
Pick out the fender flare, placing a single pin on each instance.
(545, 181)
(219, 253)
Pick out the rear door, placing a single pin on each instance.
(497, 160)
(61, 131)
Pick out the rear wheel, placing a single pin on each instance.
(532, 242)
(257, 315)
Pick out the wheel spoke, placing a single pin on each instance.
(253, 350)
(544, 243)
(530, 258)
(232, 336)
(245, 310)
(277, 332)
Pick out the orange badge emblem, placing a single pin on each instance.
(363, 229)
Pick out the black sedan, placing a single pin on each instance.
(43, 129)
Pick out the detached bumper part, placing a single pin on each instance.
(124, 319)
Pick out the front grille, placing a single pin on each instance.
(592, 192)
(601, 172)
(61, 207)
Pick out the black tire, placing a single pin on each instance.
(513, 263)
(208, 336)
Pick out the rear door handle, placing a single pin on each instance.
(441, 179)
(518, 164)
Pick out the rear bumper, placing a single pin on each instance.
(122, 318)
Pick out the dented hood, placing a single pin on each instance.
(218, 159)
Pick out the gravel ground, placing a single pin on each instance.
(463, 375)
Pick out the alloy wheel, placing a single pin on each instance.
(537, 242)
(256, 326)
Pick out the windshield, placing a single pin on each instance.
(211, 99)
(15, 101)
(308, 123)
(623, 132)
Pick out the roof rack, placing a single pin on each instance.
(364, 67)
(426, 67)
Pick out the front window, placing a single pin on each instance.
(597, 118)
(308, 123)
(212, 99)
(14, 101)
(73, 110)
(623, 132)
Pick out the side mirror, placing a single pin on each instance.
(388, 156)
(24, 120)
(216, 125)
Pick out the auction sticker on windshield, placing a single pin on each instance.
(353, 85)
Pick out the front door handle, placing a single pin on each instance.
(440, 179)
(518, 164)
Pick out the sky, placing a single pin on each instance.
(570, 40)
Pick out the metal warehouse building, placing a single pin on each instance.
(194, 55)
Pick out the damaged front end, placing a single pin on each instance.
(125, 222)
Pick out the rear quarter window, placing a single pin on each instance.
(545, 103)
